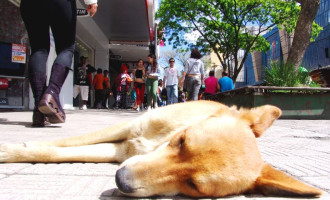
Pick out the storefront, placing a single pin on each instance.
(15, 92)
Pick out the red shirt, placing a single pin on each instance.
(98, 81)
(106, 80)
(211, 85)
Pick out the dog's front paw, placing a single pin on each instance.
(10, 152)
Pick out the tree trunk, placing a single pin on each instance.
(303, 31)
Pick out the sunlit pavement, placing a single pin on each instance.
(298, 147)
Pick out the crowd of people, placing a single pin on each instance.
(142, 88)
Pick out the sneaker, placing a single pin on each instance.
(149, 108)
(138, 109)
(84, 107)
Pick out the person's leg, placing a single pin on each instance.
(142, 95)
(106, 98)
(169, 97)
(196, 84)
(118, 96)
(38, 31)
(98, 99)
(138, 94)
(189, 88)
(154, 88)
(84, 90)
(175, 94)
(63, 24)
(38, 86)
(76, 91)
(123, 97)
(149, 91)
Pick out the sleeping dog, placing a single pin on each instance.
(199, 149)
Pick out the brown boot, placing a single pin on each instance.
(50, 104)
(38, 85)
(39, 119)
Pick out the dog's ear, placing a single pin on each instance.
(273, 182)
(261, 118)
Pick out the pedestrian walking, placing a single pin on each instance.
(171, 79)
(152, 74)
(99, 88)
(61, 17)
(81, 81)
(139, 85)
(194, 73)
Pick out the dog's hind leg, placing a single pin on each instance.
(105, 152)
(114, 133)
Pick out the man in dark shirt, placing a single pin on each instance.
(81, 82)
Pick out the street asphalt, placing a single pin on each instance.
(301, 148)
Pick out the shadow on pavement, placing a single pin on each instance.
(5, 121)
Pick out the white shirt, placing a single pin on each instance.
(194, 66)
(89, 2)
(171, 75)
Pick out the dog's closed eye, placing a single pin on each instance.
(178, 141)
(191, 184)
(181, 141)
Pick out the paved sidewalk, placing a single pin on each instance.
(299, 147)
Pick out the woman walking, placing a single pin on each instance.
(152, 81)
(139, 85)
(61, 17)
(194, 70)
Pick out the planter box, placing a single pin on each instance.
(295, 102)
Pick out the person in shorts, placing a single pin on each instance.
(82, 83)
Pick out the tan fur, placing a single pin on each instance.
(200, 149)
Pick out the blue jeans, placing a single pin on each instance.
(172, 94)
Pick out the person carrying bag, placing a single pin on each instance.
(193, 75)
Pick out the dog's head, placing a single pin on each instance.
(215, 158)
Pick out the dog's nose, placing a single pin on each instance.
(123, 180)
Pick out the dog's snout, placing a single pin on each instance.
(123, 180)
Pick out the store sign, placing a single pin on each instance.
(82, 12)
(3, 84)
(18, 53)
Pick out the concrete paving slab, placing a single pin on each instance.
(298, 147)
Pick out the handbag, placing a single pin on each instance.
(185, 83)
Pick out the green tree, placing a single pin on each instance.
(306, 30)
(225, 26)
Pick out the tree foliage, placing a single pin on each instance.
(225, 26)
